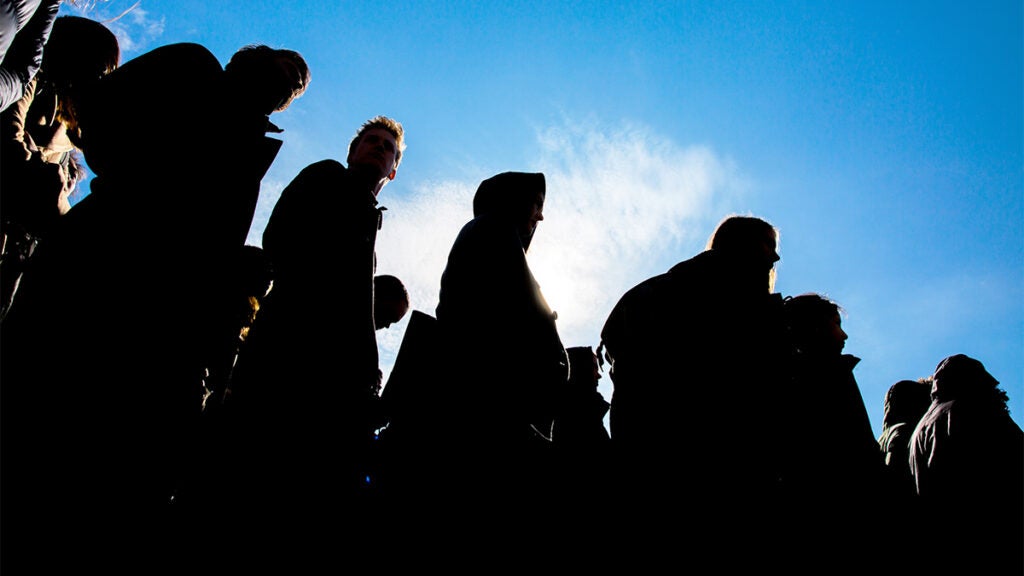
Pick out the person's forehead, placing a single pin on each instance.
(379, 133)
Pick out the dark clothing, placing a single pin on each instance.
(580, 451)
(500, 366)
(579, 423)
(506, 352)
(894, 444)
(968, 461)
(832, 474)
(102, 396)
(304, 385)
(906, 401)
(505, 364)
(695, 361)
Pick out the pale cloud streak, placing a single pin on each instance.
(135, 29)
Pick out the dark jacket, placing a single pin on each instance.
(967, 458)
(303, 388)
(695, 360)
(115, 374)
(507, 360)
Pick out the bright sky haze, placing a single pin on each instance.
(885, 140)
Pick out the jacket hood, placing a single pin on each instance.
(509, 193)
(509, 196)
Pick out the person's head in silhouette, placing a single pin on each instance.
(78, 53)
(268, 78)
(390, 300)
(376, 151)
(960, 377)
(584, 367)
(906, 401)
(815, 325)
(516, 196)
(748, 239)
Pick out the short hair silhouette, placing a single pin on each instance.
(250, 65)
(744, 236)
(79, 51)
(806, 317)
(385, 123)
(906, 401)
(390, 300)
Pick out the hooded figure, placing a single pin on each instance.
(510, 358)
(502, 363)
(967, 457)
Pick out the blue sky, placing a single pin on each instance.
(884, 139)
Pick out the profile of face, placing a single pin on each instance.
(834, 335)
(595, 367)
(768, 250)
(377, 148)
(535, 215)
(287, 81)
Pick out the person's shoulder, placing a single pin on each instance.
(849, 361)
(327, 165)
(649, 287)
(320, 173)
(162, 79)
(698, 262)
(190, 54)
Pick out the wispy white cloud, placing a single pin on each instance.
(135, 29)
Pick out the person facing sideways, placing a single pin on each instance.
(390, 305)
(147, 254)
(314, 340)
(503, 365)
(696, 354)
(831, 472)
(580, 444)
(905, 403)
(41, 167)
(267, 80)
(966, 457)
(579, 422)
(390, 300)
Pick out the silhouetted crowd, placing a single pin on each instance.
(175, 400)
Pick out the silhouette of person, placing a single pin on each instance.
(25, 26)
(314, 343)
(390, 300)
(696, 354)
(41, 167)
(580, 451)
(832, 475)
(406, 445)
(390, 305)
(108, 429)
(967, 457)
(503, 367)
(580, 417)
(906, 401)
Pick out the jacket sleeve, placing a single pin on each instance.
(23, 53)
